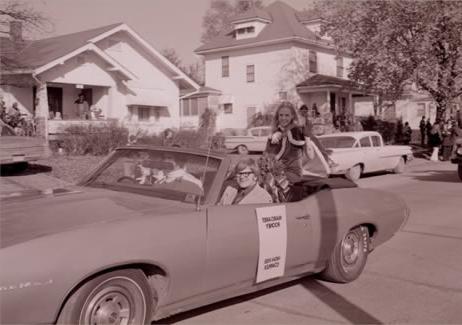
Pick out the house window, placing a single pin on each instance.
(186, 107)
(238, 33)
(313, 62)
(283, 95)
(144, 113)
(228, 108)
(194, 107)
(251, 73)
(190, 107)
(339, 66)
(421, 109)
(225, 66)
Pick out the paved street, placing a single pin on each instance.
(414, 278)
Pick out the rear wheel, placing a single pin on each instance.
(459, 170)
(348, 257)
(119, 297)
(400, 167)
(242, 150)
(354, 173)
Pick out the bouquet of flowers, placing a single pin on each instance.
(273, 178)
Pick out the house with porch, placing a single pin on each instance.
(277, 53)
(273, 54)
(121, 77)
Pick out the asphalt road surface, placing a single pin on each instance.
(414, 278)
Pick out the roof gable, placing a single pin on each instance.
(38, 53)
(37, 56)
(284, 25)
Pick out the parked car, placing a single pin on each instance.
(125, 247)
(356, 153)
(457, 156)
(19, 150)
(254, 140)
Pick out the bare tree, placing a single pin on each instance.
(218, 16)
(31, 19)
(193, 70)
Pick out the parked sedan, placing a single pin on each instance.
(127, 246)
(254, 140)
(356, 153)
(19, 150)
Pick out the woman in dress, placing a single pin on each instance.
(287, 141)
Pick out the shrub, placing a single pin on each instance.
(386, 128)
(93, 140)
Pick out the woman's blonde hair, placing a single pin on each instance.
(293, 111)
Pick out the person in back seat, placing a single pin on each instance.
(246, 189)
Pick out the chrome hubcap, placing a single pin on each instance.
(350, 249)
(111, 306)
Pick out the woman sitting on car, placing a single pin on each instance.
(245, 190)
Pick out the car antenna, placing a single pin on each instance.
(209, 149)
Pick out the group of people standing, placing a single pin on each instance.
(441, 134)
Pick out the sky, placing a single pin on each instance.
(163, 23)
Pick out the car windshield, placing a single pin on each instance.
(337, 142)
(165, 174)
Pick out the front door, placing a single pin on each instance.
(88, 93)
(55, 101)
(333, 104)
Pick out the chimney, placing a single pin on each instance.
(16, 31)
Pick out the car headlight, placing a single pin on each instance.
(459, 151)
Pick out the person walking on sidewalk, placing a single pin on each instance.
(407, 133)
(428, 129)
(422, 127)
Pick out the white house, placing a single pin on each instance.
(118, 72)
(274, 54)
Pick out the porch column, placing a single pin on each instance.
(41, 110)
(328, 102)
(350, 103)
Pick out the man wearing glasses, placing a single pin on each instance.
(246, 190)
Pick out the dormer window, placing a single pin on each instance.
(244, 32)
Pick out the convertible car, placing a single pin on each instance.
(142, 237)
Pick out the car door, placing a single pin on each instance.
(253, 143)
(380, 160)
(368, 154)
(233, 244)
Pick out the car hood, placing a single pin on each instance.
(26, 218)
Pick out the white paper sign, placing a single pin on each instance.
(272, 230)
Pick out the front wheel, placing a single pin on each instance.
(459, 171)
(400, 167)
(354, 173)
(119, 297)
(348, 257)
(242, 150)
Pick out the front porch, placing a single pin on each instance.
(331, 101)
